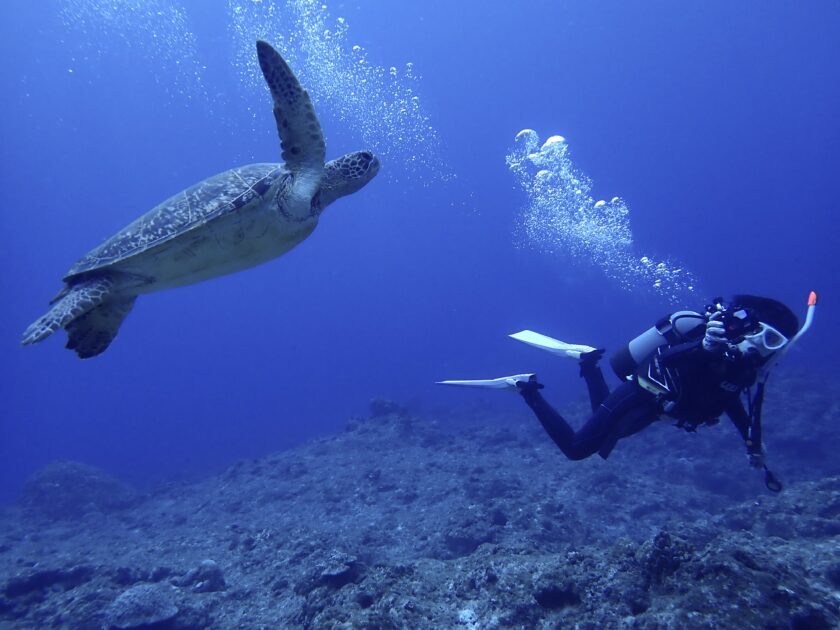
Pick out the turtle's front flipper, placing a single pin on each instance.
(73, 302)
(301, 138)
(93, 332)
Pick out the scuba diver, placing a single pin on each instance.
(690, 367)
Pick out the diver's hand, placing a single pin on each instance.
(715, 339)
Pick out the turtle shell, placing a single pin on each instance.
(191, 208)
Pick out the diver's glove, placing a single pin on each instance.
(530, 386)
(715, 339)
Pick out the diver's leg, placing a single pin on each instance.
(627, 404)
(595, 384)
(632, 409)
(574, 446)
(553, 423)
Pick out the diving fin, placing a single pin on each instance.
(555, 346)
(503, 382)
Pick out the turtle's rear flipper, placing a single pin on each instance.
(93, 332)
(72, 302)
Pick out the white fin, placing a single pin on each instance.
(549, 344)
(503, 382)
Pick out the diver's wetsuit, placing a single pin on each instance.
(710, 384)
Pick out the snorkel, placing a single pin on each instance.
(756, 401)
(809, 318)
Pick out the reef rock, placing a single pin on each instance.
(406, 521)
(141, 606)
(66, 490)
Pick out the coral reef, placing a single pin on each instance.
(67, 489)
(401, 523)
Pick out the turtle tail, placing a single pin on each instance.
(73, 302)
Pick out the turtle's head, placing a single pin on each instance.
(346, 175)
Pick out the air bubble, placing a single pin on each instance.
(155, 30)
(562, 218)
(553, 140)
(377, 103)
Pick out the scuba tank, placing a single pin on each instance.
(673, 329)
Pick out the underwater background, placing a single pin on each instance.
(710, 129)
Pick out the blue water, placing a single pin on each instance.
(715, 123)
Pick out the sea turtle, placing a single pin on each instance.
(226, 223)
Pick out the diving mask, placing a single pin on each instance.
(766, 340)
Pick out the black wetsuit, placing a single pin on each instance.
(710, 384)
